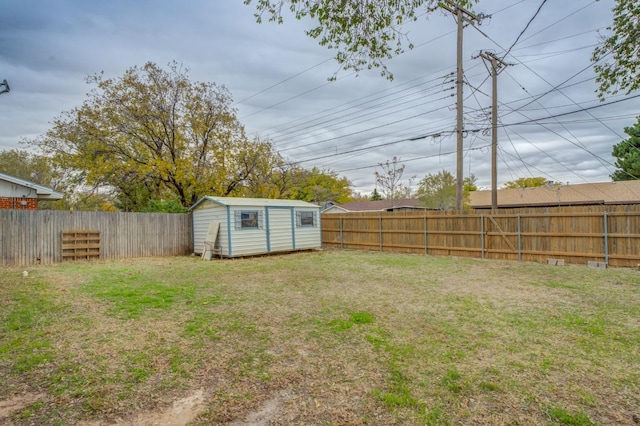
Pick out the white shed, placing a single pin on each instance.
(251, 226)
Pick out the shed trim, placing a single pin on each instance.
(255, 202)
(268, 229)
(229, 228)
(293, 228)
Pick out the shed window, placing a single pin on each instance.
(248, 219)
(306, 219)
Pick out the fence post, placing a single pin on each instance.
(606, 239)
(482, 235)
(341, 234)
(519, 241)
(426, 251)
(380, 229)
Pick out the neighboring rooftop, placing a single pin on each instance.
(402, 204)
(621, 192)
(42, 192)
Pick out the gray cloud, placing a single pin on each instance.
(46, 51)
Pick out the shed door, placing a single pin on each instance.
(280, 229)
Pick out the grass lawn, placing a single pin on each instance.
(322, 338)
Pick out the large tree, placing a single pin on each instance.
(627, 153)
(365, 33)
(37, 168)
(30, 166)
(152, 134)
(318, 186)
(526, 182)
(617, 58)
(438, 191)
(286, 180)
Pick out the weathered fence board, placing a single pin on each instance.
(32, 237)
(576, 234)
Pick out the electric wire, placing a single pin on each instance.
(580, 144)
(525, 29)
(410, 159)
(557, 39)
(550, 115)
(564, 18)
(347, 118)
(341, 109)
(324, 85)
(282, 81)
(373, 128)
(450, 132)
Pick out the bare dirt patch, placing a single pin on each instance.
(263, 416)
(181, 413)
(17, 403)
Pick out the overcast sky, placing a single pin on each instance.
(278, 78)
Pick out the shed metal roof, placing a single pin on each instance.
(255, 202)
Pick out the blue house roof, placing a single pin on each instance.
(43, 192)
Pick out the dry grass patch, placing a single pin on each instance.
(336, 337)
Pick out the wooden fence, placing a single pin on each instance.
(608, 234)
(32, 237)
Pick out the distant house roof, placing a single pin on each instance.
(254, 202)
(377, 206)
(42, 192)
(622, 192)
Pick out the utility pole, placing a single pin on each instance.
(459, 117)
(497, 65)
(462, 16)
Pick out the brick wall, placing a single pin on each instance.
(8, 203)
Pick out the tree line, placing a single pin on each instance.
(152, 140)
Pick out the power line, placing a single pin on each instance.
(414, 159)
(344, 118)
(367, 148)
(449, 133)
(340, 109)
(535, 120)
(525, 29)
(553, 88)
(541, 30)
(283, 81)
(309, 125)
(292, 97)
(375, 127)
(565, 128)
(376, 105)
(558, 39)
